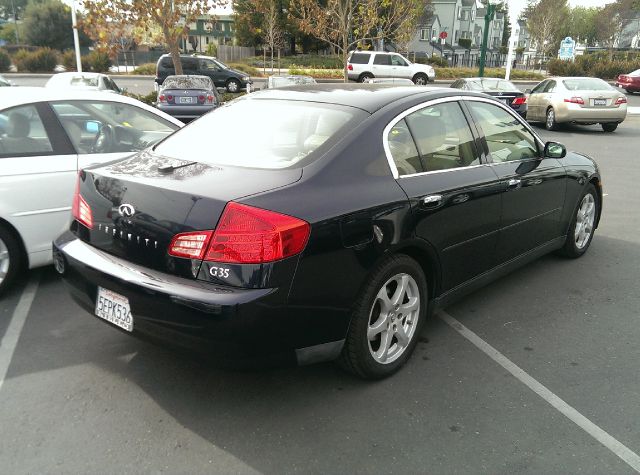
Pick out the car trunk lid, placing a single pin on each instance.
(188, 97)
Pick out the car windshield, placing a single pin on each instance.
(291, 81)
(187, 82)
(491, 85)
(259, 133)
(586, 84)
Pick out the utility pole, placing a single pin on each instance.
(76, 41)
(488, 17)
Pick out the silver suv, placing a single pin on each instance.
(365, 65)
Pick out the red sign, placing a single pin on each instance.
(443, 35)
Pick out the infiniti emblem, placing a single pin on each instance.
(126, 210)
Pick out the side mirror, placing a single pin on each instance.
(527, 91)
(554, 150)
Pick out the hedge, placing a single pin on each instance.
(597, 65)
(5, 61)
(42, 60)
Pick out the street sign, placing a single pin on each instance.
(443, 35)
(567, 49)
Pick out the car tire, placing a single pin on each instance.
(10, 258)
(580, 233)
(550, 119)
(364, 77)
(233, 86)
(421, 79)
(609, 126)
(381, 337)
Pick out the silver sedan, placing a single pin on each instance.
(580, 100)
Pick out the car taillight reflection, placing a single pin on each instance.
(518, 101)
(80, 209)
(192, 245)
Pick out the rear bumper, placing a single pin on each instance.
(231, 325)
(568, 112)
(185, 112)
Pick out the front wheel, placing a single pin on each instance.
(609, 126)
(10, 258)
(550, 122)
(421, 79)
(233, 86)
(387, 319)
(582, 225)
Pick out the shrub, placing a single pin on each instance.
(465, 42)
(212, 49)
(229, 96)
(68, 59)
(318, 73)
(5, 61)
(146, 98)
(433, 61)
(99, 62)
(41, 60)
(250, 70)
(148, 69)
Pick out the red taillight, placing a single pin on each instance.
(80, 209)
(201, 99)
(161, 98)
(350, 67)
(575, 100)
(210, 99)
(248, 235)
(192, 245)
(621, 100)
(518, 101)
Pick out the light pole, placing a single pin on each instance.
(488, 17)
(76, 41)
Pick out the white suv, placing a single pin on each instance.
(364, 65)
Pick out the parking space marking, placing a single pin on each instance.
(11, 336)
(622, 451)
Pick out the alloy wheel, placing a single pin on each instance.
(584, 220)
(551, 119)
(5, 260)
(421, 80)
(393, 318)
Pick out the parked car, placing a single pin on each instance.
(87, 81)
(352, 212)
(46, 136)
(5, 82)
(504, 91)
(365, 65)
(578, 100)
(396, 81)
(187, 97)
(222, 75)
(629, 82)
(284, 81)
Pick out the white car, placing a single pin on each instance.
(86, 81)
(46, 136)
(365, 65)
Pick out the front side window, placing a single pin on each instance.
(398, 61)
(443, 137)
(23, 133)
(283, 133)
(382, 59)
(207, 65)
(540, 87)
(507, 138)
(110, 127)
(550, 87)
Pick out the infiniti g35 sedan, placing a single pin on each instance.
(333, 233)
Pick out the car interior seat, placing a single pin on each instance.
(18, 140)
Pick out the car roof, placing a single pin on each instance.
(368, 97)
(28, 95)
(82, 74)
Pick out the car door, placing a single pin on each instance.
(533, 187)
(399, 67)
(455, 198)
(381, 67)
(37, 176)
(533, 101)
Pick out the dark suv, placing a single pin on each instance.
(221, 74)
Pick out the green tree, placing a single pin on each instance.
(547, 23)
(48, 23)
(506, 29)
(6, 8)
(582, 24)
(8, 33)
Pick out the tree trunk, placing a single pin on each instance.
(173, 50)
(271, 59)
(345, 54)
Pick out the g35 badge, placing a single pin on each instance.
(219, 272)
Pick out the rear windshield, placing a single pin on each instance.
(491, 85)
(259, 133)
(291, 81)
(84, 81)
(187, 82)
(359, 58)
(586, 84)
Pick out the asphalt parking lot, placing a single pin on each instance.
(535, 374)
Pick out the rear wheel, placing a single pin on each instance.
(387, 319)
(10, 258)
(582, 226)
(421, 79)
(609, 126)
(550, 122)
(364, 77)
(233, 85)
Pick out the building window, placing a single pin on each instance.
(466, 35)
(424, 34)
(464, 15)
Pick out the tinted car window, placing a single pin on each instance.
(507, 138)
(208, 65)
(443, 137)
(539, 87)
(166, 63)
(382, 59)
(359, 58)
(403, 149)
(23, 133)
(283, 133)
(491, 85)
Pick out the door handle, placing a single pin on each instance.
(432, 201)
(514, 184)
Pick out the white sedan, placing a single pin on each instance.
(87, 81)
(46, 136)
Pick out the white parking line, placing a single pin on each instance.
(633, 110)
(622, 451)
(10, 340)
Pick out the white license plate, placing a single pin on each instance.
(114, 308)
(186, 100)
(599, 102)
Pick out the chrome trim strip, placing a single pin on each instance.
(42, 211)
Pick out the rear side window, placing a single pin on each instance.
(166, 63)
(360, 58)
(23, 133)
(403, 149)
(382, 59)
